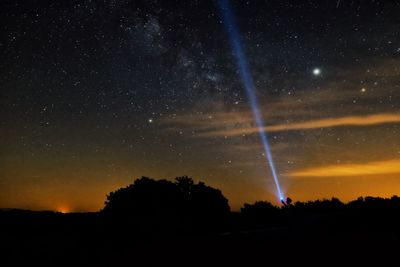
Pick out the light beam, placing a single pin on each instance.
(241, 61)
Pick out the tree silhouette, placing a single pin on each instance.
(184, 184)
(181, 203)
(144, 197)
(259, 214)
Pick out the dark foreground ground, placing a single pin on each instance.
(55, 239)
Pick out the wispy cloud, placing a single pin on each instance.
(369, 168)
(312, 124)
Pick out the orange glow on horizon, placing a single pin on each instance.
(63, 209)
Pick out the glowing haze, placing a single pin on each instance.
(368, 168)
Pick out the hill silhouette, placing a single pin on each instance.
(188, 223)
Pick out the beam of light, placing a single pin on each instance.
(241, 61)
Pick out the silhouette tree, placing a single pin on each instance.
(164, 203)
(184, 184)
(144, 197)
(259, 214)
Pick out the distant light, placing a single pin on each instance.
(63, 210)
(316, 71)
(150, 120)
(363, 90)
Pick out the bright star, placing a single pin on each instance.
(316, 71)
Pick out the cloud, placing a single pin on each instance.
(369, 168)
(312, 124)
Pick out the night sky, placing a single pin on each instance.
(97, 93)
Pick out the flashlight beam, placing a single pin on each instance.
(241, 61)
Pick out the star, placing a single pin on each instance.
(317, 71)
(150, 120)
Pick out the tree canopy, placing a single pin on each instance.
(180, 198)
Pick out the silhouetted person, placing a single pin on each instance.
(286, 203)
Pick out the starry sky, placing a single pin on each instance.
(97, 93)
